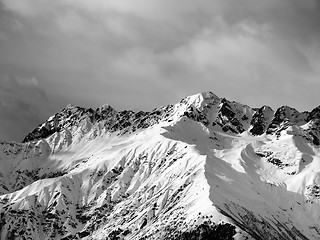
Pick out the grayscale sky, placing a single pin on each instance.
(141, 54)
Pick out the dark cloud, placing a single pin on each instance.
(124, 52)
(22, 106)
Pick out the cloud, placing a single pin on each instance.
(141, 53)
(22, 106)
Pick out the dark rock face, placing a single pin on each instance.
(200, 113)
(233, 117)
(280, 118)
(226, 118)
(260, 120)
(68, 117)
(284, 117)
(205, 231)
(208, 231)
(226, 109)
(112, 120)
(314, 128)
(196, 115)
(314, 114)
(230, 116)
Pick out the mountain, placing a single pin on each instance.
(204, 168)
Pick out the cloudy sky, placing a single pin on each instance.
(140, 54)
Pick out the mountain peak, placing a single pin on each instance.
(200, 99)
(69, 106)
(106, 107)
(203, 168)
(204, 107)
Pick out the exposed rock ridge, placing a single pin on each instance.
(237, 118)
(206, 107)
(123, 121)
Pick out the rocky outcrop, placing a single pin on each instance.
(123, 121)
(314, 125)
(68, 117)
(284, 117)
(205, 107)
(261, 120)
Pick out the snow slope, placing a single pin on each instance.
(204, 168)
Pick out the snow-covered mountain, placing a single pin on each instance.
(204, 168)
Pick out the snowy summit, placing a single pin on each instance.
(204, 168)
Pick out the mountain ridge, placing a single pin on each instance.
(204, 168)
(230, 117)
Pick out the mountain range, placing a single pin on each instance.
(203, 168)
